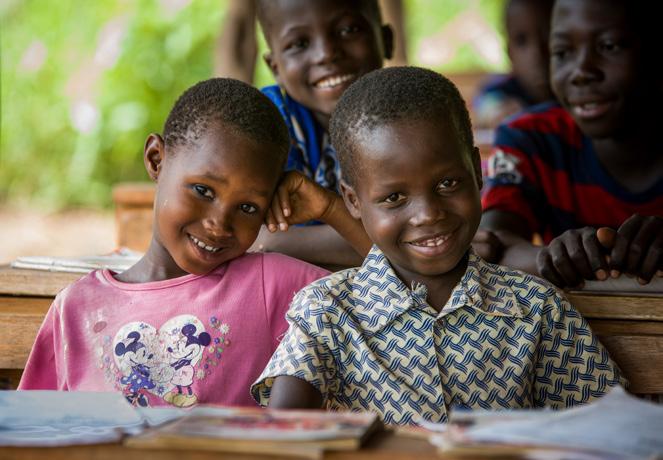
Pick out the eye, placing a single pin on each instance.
(394, 198)
(348, 30)
(248, 208)
(297, 44)
(610, 46)
(447, 184)
(204, 191)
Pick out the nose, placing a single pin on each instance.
(218, 224)
(585, 70)
(428, 211)
(326, 50)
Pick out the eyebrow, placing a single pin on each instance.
(224, 181)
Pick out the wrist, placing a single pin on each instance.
(334, 206)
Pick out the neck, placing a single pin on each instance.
(156, 265)
(323, 119)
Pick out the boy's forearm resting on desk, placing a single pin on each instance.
(293, 393)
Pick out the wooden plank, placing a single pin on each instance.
(615, 306)
(20, 319)
(17, 281)
(641, 360)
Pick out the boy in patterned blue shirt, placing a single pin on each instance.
(425, 323)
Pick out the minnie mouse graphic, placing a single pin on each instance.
(137, 356)
(185, 353)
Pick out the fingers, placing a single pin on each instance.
(619, 253)
(572, 257)
(638, 247)
(607, 237)
(280, 203)
(547, 269)
(653, 261)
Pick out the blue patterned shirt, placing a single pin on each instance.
(504, 339)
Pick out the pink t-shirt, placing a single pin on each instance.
(174, 342)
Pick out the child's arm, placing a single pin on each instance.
(293, 393)
(298, 199)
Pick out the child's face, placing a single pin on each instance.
(319, 48)
(417, 193)
(212, 196)
(593, 64)
(528, 25)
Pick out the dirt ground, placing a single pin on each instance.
(68, 233)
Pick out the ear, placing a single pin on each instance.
(154, 155)
(387, 41)
(350, 199)
(268, 57)
(476, 164)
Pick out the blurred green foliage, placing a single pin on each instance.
(52, 56)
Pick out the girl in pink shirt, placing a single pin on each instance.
(196, 319)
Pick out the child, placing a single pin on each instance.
(317, 49)
(563, 172)
(527, 28)
(425, 323)
(195, 319)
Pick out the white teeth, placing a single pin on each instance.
(200, 244)
(330, 82)
(431, 243)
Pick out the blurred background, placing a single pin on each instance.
(83, 83)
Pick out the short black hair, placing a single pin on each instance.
(264, 7)
(389, 95)
(233, 103)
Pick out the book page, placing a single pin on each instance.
(60, 418)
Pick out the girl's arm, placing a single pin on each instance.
(298, 199)
(293, 393)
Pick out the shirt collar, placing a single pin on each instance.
(380, 296)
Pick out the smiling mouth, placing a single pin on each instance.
(204, 246)
(333, 81)
(590, 110)
(430, 242)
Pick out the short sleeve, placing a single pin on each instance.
(283, 277)
(41, 369)
(511, 181)
(303, 353)
(573, 367)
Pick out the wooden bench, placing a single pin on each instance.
(630, 326)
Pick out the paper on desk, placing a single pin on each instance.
(59, 418)
(117, 261)
(617, 424)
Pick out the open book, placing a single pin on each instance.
(262, 431)
(117, 261)
(58, 418)
(617, 425)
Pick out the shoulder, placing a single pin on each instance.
(283, 265)
(330, 296)
(536, 298)
(88, 286)
(274, 92)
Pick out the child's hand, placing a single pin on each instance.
(638, 248)
(488, 245)
(298, 199)
(572, 257)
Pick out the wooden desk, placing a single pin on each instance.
(25, 296)
(382, 446)
(631, 327)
